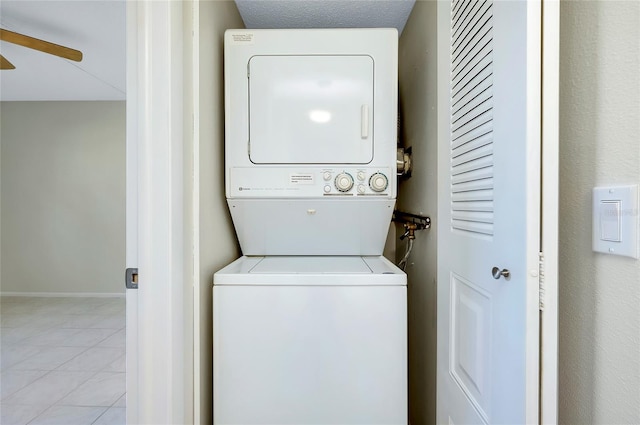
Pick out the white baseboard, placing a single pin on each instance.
(64, 294)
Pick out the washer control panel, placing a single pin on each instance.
(287, 182)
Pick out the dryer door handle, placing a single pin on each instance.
(364, 121)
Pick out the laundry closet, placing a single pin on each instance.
(309, 326)
(420, 124)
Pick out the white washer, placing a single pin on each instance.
(310, 340)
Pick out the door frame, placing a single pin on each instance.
(549, 213)
(159, 394)
(131, 226)
(159, 227)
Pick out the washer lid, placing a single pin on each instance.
(311, 271)
(311, 265)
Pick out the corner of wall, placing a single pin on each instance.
(217, 239)
(418, 195)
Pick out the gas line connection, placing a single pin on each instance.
(411, 223)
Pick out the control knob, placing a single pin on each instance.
(378, 182)
(344, 182)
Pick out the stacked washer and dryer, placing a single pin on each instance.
(310, 325)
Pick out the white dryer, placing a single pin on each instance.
(310, 139)
(310, 340)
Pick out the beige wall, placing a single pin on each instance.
(217, 240)
(63, 197)
(599, 300)
(418, 195)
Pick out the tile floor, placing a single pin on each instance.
(62, 361)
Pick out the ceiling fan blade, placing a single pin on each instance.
(5, 64)
(40, 45)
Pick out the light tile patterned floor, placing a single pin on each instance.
(62, 361)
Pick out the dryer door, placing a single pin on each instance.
(311, 109)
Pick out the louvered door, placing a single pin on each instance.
(488, 214)
(471, 114)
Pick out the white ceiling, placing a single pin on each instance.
(98, 29)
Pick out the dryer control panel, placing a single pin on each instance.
(251, 182)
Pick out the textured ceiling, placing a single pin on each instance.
(96, 28)
(325, 14)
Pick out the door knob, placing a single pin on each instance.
(496, 272)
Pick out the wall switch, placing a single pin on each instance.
(616, 221)
(610, 221)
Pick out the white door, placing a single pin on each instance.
(489, 211)
(311, 109)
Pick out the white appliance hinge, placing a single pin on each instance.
(541, 287)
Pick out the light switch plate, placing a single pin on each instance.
(616, 220)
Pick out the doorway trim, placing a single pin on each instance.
(549, 213)
(159, 329)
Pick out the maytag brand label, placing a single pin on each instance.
(301, 178)
(244, 38)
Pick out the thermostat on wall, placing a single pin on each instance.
(615, 220)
